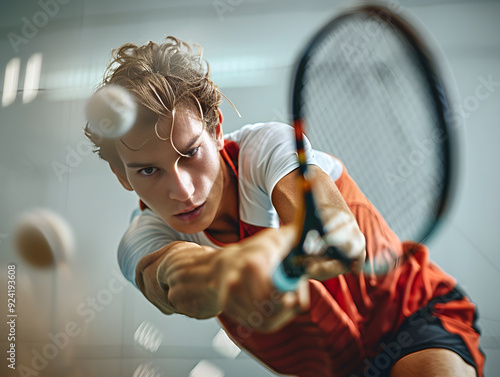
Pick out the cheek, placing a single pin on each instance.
(211, 179)
(150, 191)
(210, 159)
(136, 183)
(211, 172)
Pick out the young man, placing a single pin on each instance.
(208, 238)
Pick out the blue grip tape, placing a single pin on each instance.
(283, 282)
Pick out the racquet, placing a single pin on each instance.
(367, 90)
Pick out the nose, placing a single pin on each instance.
(182, 185)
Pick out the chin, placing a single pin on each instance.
(196, 226)
(190, 228)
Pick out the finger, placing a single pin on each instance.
(303, 295)
(322, 269)
(267, 316)
(284, 312)
(241, 306)
(357, 265)
(343, 232)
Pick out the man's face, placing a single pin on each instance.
(185, 191)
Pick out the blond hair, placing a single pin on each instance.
(160, 77)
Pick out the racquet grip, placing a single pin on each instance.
(287, 276)
(335, 253)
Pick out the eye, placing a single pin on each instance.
(147, 171)
(192, 152)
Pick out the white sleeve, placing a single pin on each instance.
(147, 233)
(267, 154)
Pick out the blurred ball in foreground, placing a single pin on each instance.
(43, 238)
(111, 111)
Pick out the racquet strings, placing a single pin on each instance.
(366, 100)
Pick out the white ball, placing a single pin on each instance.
(43, 238)
(111, 111)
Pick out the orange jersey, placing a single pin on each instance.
(351, 316)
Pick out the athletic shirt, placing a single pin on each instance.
(350, 316)
(260, 155)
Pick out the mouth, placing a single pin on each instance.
(190, 214)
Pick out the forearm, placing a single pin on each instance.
(202, 282)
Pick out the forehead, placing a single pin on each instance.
(151, 131)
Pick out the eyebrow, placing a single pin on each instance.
(191, 142)
(139, 165)
(144, 165)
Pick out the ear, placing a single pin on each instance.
(122, 177)
(219, 134)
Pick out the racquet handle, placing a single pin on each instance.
(283, 282)
(288, 274)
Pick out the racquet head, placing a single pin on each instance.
(368, 91)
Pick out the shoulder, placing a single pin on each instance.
(269, 148)
(262, 145)
(266, 154)
(269, 132)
